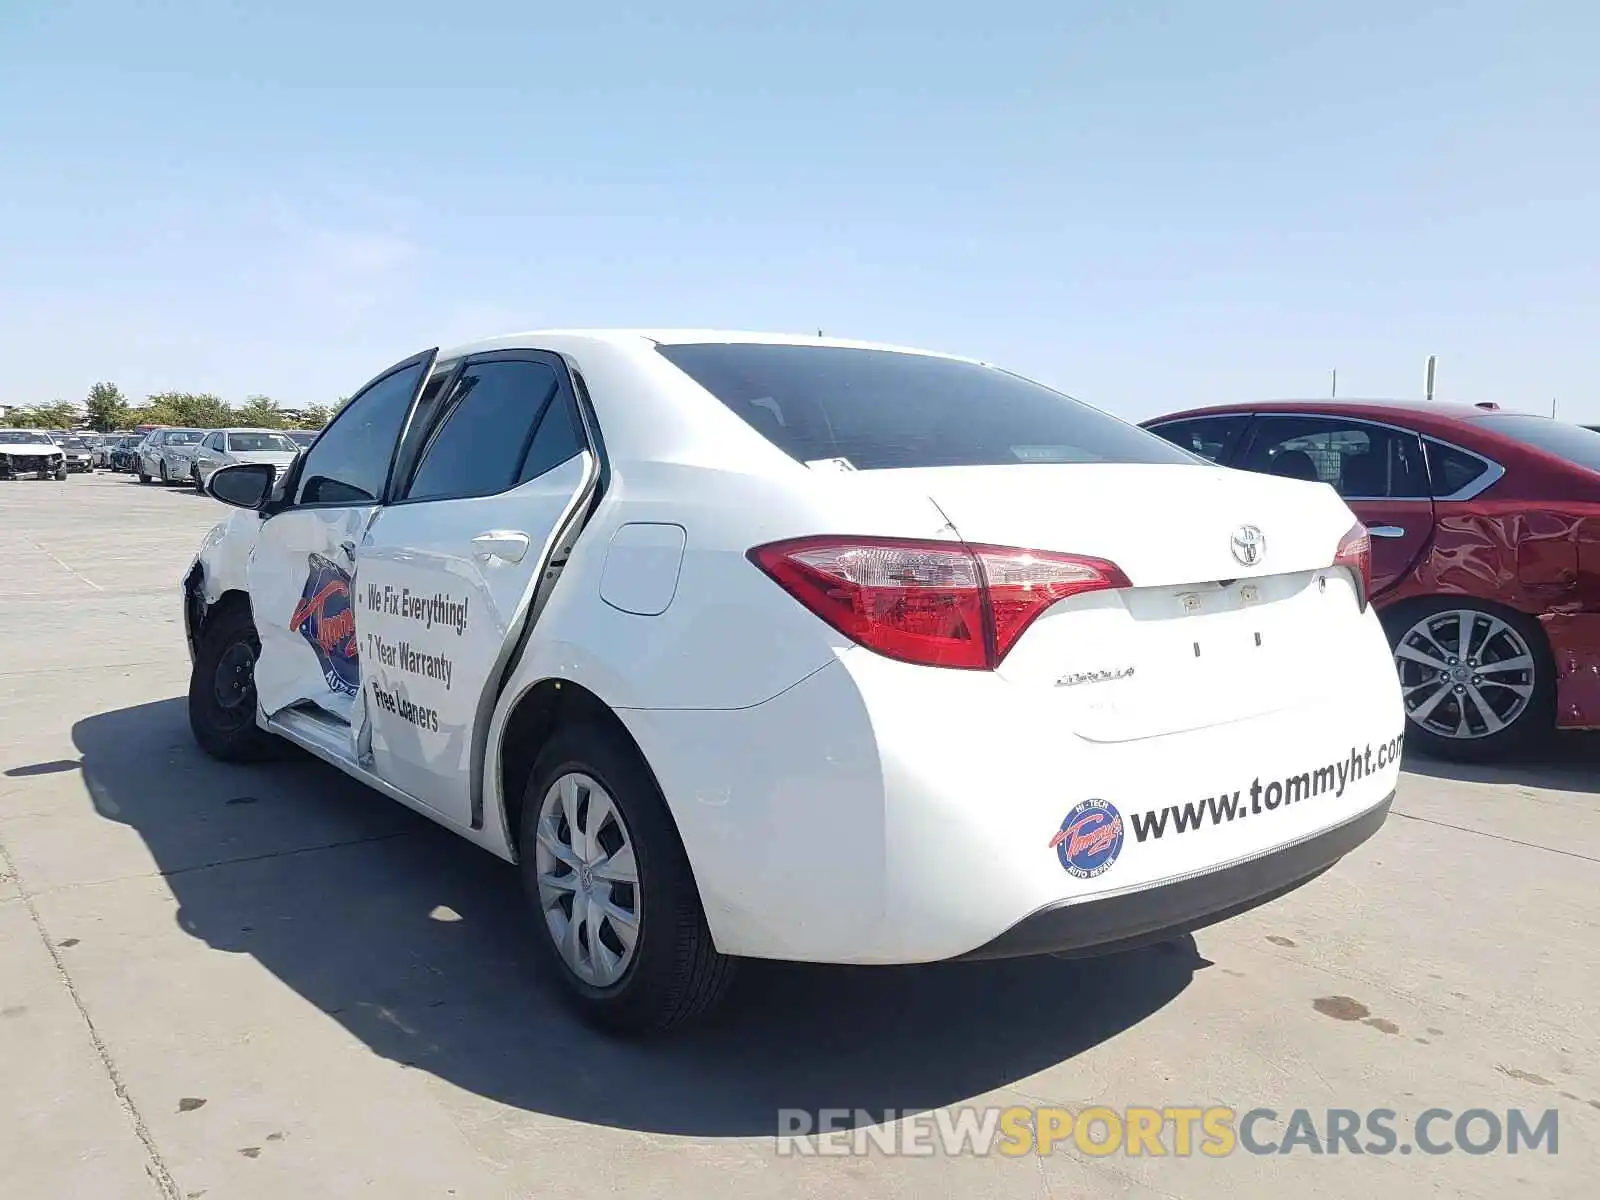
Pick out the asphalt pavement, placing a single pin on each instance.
(267, 981)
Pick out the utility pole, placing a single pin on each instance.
(1334, 395)
(1433, 362)
(1552, 408)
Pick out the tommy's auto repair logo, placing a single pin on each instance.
(326, 619)
(1089, 840)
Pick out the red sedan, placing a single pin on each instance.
(1485, 532)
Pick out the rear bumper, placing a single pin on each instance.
(879, 813)
(1167, 910)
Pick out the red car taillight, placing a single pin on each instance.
(1355, 555)
(940, 604)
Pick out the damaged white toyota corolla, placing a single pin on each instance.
(754, 646)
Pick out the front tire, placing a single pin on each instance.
(163, 468)
(1477, 680)
(144, 476)
(617, 913)
(222, 691)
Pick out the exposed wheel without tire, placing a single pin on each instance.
(617, 914)
(1477, 680)
(222, 690)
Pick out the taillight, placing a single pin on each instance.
(1355, 555)
(940, 604)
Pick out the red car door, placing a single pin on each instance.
(1377, 469)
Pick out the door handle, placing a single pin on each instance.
(509, 544)
(1386, 531)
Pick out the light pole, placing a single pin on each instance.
(1433, 362)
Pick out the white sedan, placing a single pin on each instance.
(227, 447)
(30, 452)
(794, 648)
(165, 454)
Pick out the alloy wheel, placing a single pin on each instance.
(1464, 673)
(588, 879)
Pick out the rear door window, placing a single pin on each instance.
(881, 409)
(1361, 461)
(487, 432)
(1453, 471)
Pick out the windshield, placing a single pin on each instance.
(184, 436)
(1574, 443)
(880, 409)
(75, 444)
(248, 443)
(25, 437)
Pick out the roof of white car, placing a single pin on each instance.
(559, 339)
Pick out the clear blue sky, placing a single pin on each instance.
(1148, 205)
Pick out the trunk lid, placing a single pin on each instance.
(1163, 525)
(1202, 637)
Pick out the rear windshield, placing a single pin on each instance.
(879, 409)
(1571, 442)
(257, 442)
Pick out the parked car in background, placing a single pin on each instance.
(26, 453)
(104, 444)
(123, 454)
(78, 454)
(301, 437)
(1485, 529)
(167, 454)
(225, 447)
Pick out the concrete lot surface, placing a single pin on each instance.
(261, 982)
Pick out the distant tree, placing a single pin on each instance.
(262, 411)
(59, 415)
(197, 410)
(107, 407)
(315, 417)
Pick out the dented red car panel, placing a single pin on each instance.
(1529, 541)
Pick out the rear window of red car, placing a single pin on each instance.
(1571, 442)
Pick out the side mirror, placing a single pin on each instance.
(246, 485)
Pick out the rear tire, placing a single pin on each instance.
(672, 973)
(222, 692)
(143, 478)
(1478, 705)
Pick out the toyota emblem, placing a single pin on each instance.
(1249, 545)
